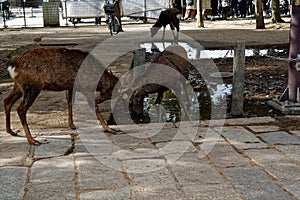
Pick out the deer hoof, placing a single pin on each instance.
(73, 127)
(38, 143)
(13, 133)
(113, 131)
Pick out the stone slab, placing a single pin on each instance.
(254, 183)
(13, 150)
(94, 146)
(204, 134)
(143, 165)
(142, 153)
(291, 151)
(211, 191)
(286, 109)
(275, 163)
(12, 180)
(168, 134)
(241, 138)
(150, 180)
(122, 193)
(279, 137)
(292, 187)
(53, 170)
(93, 174)
(125, 141)
(297, 133)
(175, 147)
(264, 128)
(248, 121)
(53, 190)
(223, 155)
(164, 193)
(56, 146)
(52, 178)
(189, 169)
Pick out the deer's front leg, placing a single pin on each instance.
(70, 109)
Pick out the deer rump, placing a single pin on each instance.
(55, 69)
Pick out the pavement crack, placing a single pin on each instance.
(28, 163)
(76, 179)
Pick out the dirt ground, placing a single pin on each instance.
(265, 76)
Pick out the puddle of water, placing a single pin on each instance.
(201, 106)
(213, 54)
(205, 101)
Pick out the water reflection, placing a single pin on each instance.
(213, 54)
(203, 104)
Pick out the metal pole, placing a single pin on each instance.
(23, 4)
(294, 75)
(66, 13)
(145, 8)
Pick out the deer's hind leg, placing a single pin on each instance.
(9, 101)
(29, 94)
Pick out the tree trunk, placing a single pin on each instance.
(200, 22)
(117, 7)
(276, 12)
(260, 24)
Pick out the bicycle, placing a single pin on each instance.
(112, 20)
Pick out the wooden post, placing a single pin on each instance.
(139, 59)
(260, 24)
(238, 80)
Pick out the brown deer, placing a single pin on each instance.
(173, 56)
(55, 69)
(169, 16)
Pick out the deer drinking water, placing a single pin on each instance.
(54, 69)
(176, 71)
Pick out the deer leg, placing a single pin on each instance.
(92, 102)
(177, 28)
(8, 103)
(174, 35)
(29, 95)
(102, 121)
(163, 37)
(184, 106)
(70, 110)
(173, 28)
(158, 100)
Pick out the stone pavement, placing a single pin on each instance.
(250, 159)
